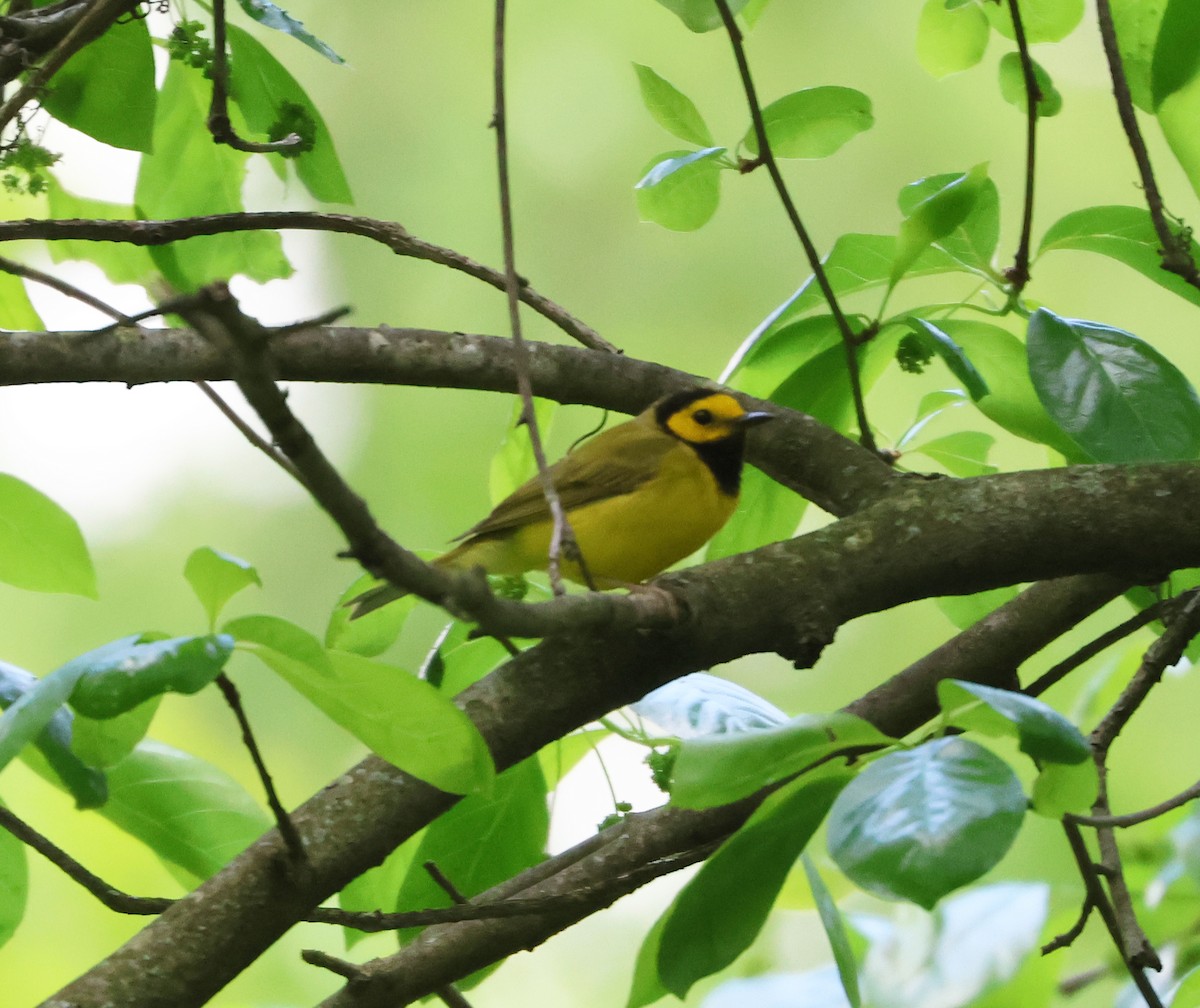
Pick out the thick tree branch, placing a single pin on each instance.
(922, 539)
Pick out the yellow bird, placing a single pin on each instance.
(640, 497)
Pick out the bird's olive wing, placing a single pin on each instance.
(615, 462)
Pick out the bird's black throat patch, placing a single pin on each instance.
(724, 459)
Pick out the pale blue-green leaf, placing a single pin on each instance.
(58, 763)
(700, 704)
(118, 676)
(271, 16)
(819, 988)
(973, 942)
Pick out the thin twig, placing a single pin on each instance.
(1110, 637)
(249, 433)
(218, 111)
(387, 233)
(1176, 257)
(348, 970)
(767, 158)
(444, 883)
(562, 537)
(20, 269)
(287, 830)
(1018, 275)
(111, 897)
(1145, 815)
(1099, 899)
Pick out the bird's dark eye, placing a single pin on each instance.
(702, 417)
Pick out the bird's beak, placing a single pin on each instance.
(754, 419)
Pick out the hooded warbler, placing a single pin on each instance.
(640, 497)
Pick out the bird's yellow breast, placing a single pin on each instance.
(627, 538)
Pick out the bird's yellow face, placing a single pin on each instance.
(708, 419)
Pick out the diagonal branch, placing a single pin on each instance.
(387, 233)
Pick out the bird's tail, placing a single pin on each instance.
(463, 555)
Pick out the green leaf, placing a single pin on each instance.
(671, 108)
(941, 343)
(1012, 87)
(513, 463)
(1125, 234)
(1113, 394)
(269, 15)
(973, 242)
(368, 635)
(699, 704)
(917, 825)
(118, 676)
(1043, 20)
(835, 931)
(680, 190)
(274, 105)
(258, 633)
(190, 176)
(187, 811)
(15, 307)
(719, 769)
(950, 39)
(105, 742)
(1188, 991)
(216, 577)
(1065, 787)
(121, 112)
(935, 217)
(483, 840)
(963, 453)
(813, 123)
(966, 610)
(719, 912)
(121, 263)
(1136, 23)
(54, 743)
(1175, 84)
(1177, 51)
(856, 262)
(41, 547)
(14, 884)
(1042, 732)
(647, 987)
(1011, 401)
(400, 717)
(700, 15)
